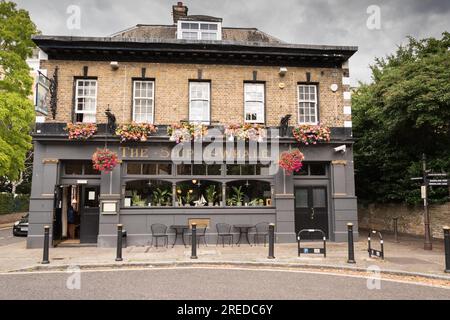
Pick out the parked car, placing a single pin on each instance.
(20, 227)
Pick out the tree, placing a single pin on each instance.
(403, 113)
(16, 109)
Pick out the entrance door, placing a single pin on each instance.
(57, 215)
(89, 213)
(311, 211)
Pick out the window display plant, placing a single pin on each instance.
(238, 196)
(136, 200)
(211, 195)
(80, 131)
(162, 197)
(135, 131)
(311, 134)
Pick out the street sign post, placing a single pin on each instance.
(429, 179)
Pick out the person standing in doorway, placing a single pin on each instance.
(71, 221)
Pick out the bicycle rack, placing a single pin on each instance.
(308, 250)
(374, 252)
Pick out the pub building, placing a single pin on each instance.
(194, 73)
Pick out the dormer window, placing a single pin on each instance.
(197, 30)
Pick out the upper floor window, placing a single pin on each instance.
(307, 104)
(86, 100)
(143, 101)
(199, 30)
(199, 102)
(254, 102)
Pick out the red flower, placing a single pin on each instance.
(291, 161)
(104, 160)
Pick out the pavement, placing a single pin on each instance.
(405, 258)
(194, 283)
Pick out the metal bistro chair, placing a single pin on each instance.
(159, 230)
(261, 230)
(201, 233)
(224, 231)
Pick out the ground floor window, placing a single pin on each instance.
(248, 193)
(147, 193)
(199, 193)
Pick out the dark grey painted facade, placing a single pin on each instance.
(50, 151)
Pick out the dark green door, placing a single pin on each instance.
(89, 213)
(311, 211)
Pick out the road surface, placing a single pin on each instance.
(6, 237)
(205, 283)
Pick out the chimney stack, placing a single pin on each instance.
(179, 11)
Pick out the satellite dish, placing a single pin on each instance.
(334, 87)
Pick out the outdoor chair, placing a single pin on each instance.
(224, 231)
(159, 231)
(201, 233)
(261, 231)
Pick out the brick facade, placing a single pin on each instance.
(171, 90)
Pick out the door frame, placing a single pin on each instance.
(304, 182)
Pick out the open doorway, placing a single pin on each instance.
(76, 215)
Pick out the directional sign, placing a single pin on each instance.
(438, 182)
(437, 174)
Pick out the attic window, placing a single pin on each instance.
(199, 30)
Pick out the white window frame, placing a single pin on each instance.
(204, 121)
(78, 96)
(152, 98)
(315, 101)
(260, 114)
(199, 31)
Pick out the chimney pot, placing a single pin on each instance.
(178, 11)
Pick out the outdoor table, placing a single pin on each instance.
(179, 230)
(243, 229)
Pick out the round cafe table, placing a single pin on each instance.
(243, 229)
(179, 230)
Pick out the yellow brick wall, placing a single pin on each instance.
(171, 90)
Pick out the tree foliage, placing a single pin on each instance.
(403, 113)
(16, 108)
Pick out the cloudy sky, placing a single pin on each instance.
(336, 22)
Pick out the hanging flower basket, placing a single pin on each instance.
(104, 160)
(186, 132)
(291, 161)
(80, 131)
(311, 134)
(135, 131)
(248, 132)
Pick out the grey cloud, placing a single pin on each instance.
(339, 22)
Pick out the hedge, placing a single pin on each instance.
(9, 204)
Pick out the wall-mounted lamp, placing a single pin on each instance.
(282, 72)
(114, 65)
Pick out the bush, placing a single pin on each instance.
(9, 204)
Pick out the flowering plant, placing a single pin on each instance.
(104, 160)
(291, 161)
(135, 131)
(247, 131)
(311, 134)
(184, 132)
(81, 131)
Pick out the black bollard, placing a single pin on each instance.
(194, 241)
(119, 242)
(447, 248)
(45, 259)
(351, 249)
(271, 241)
(396, 229)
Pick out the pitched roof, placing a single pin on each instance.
(167, 32)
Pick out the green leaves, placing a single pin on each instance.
(16, 108)
(405, 112)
